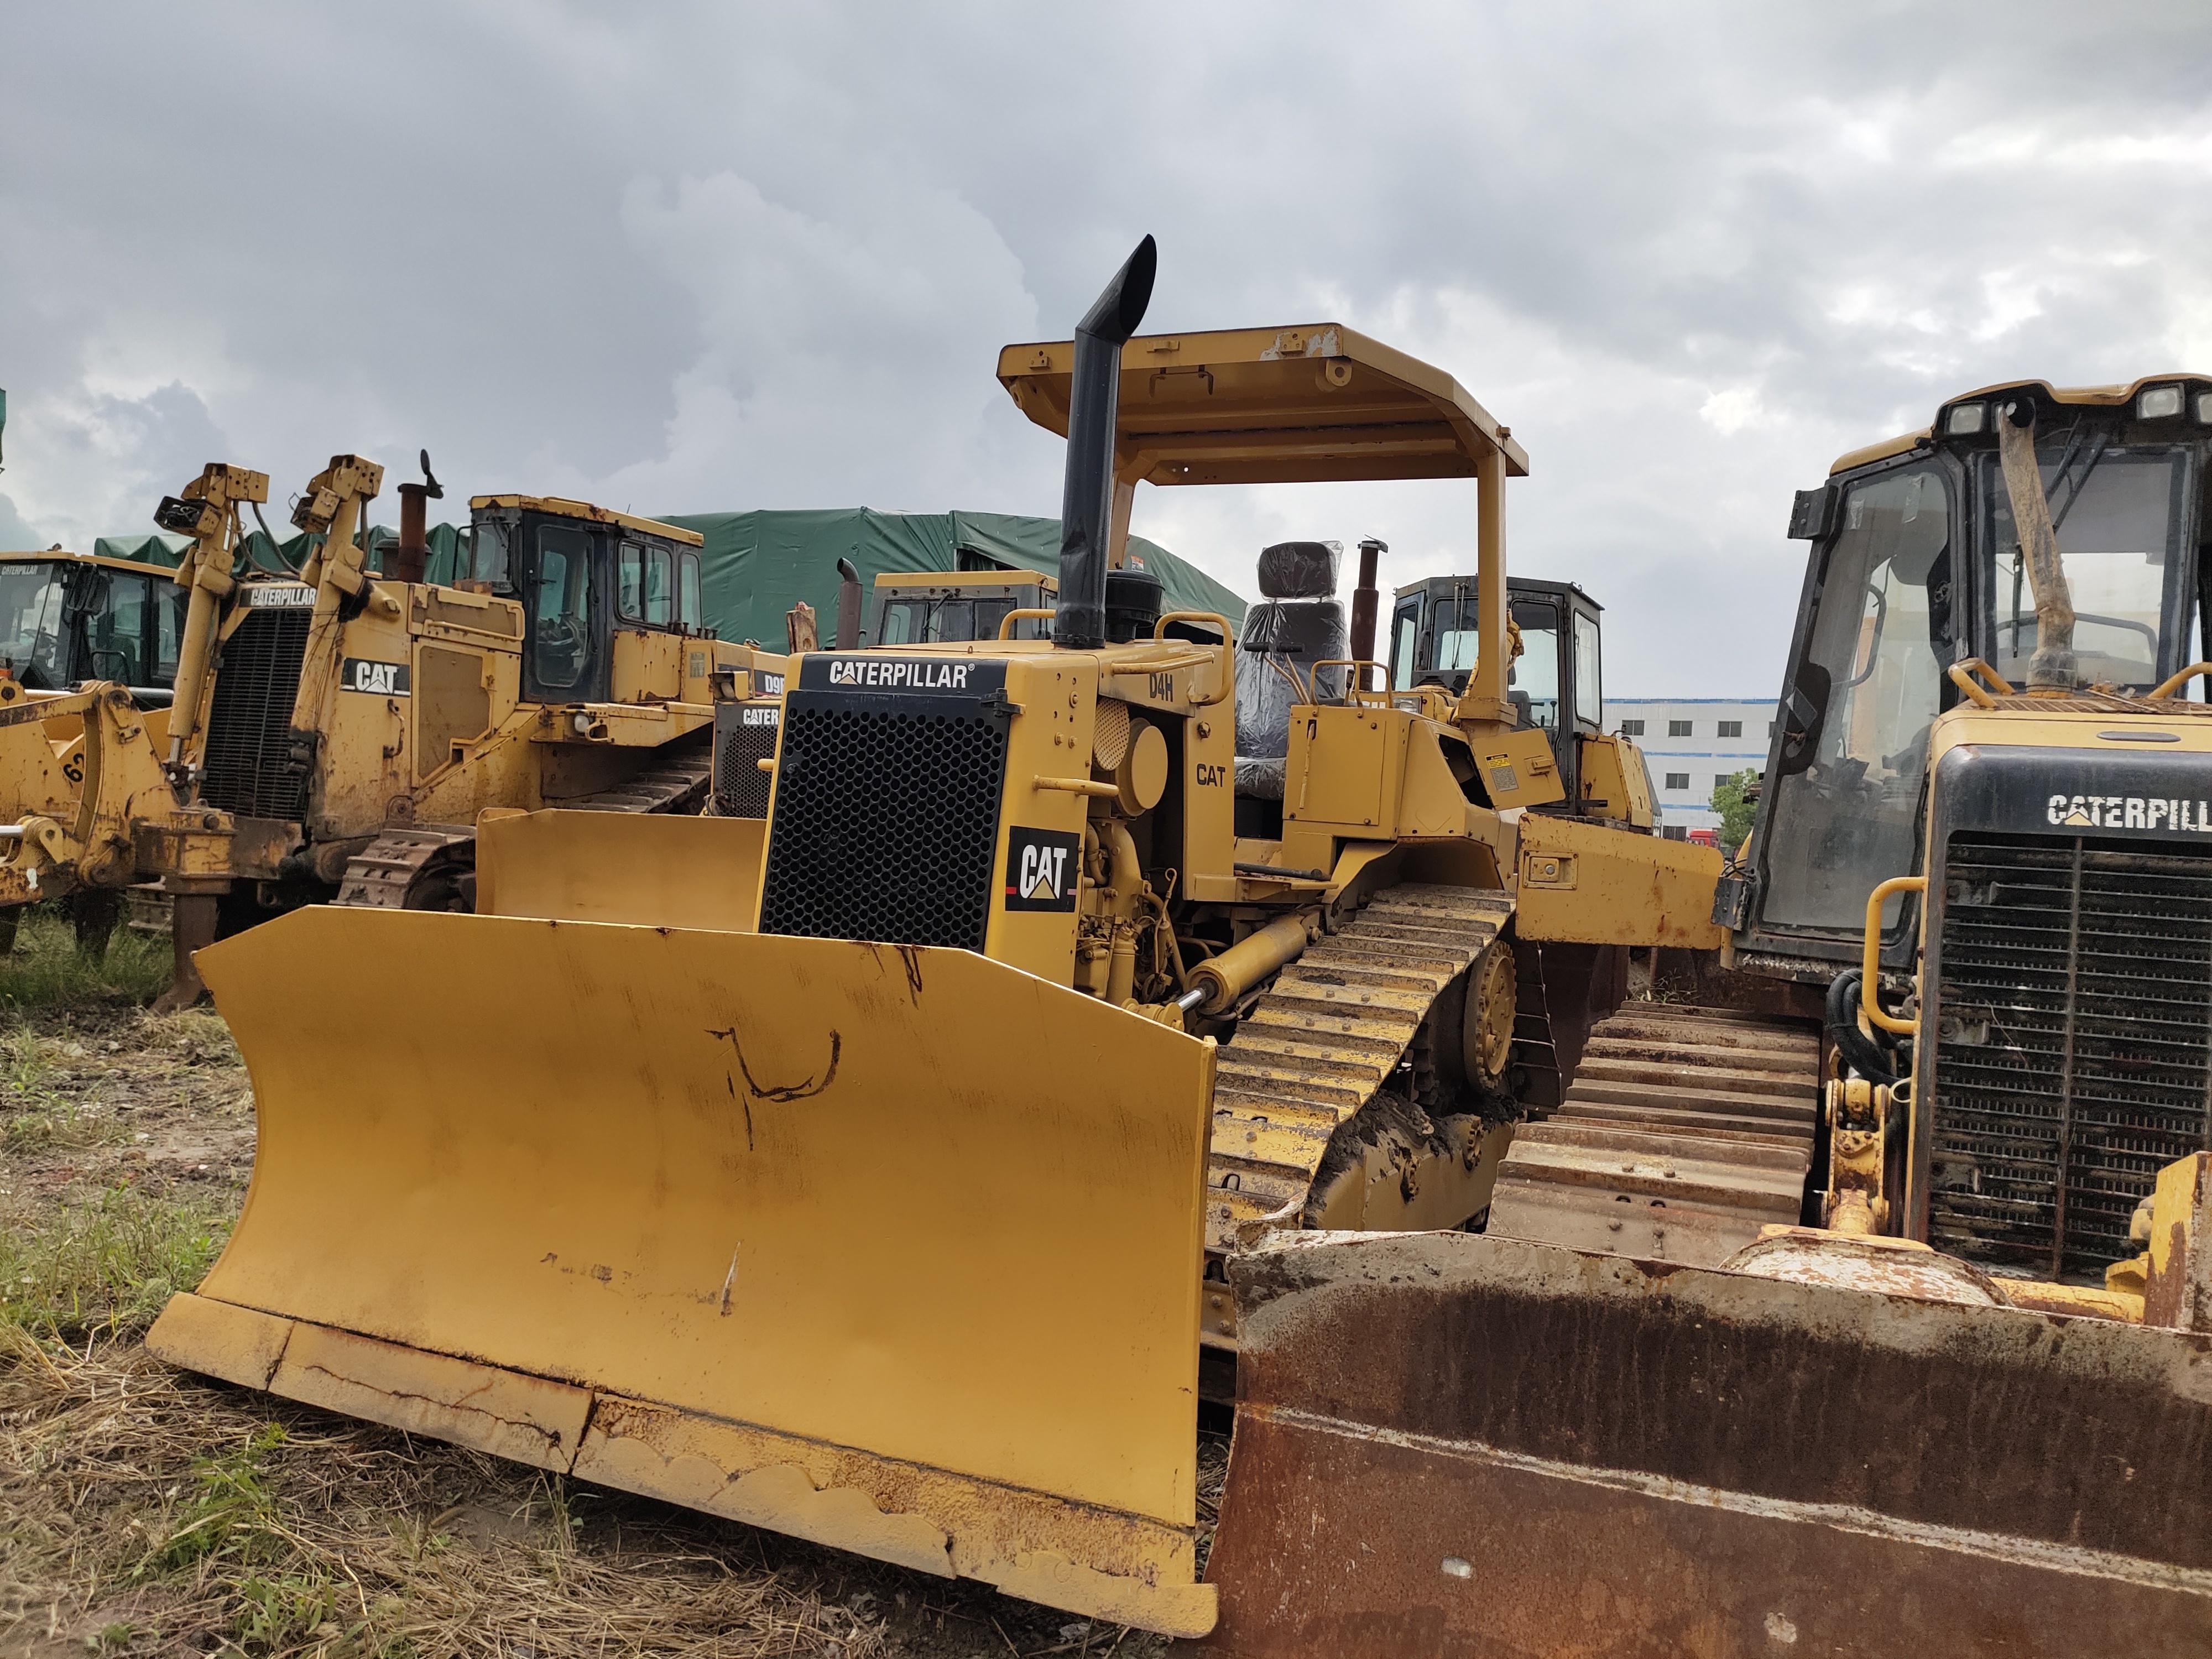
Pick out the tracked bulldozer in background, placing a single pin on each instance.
(1968, 1406)
(866, 1171)
(91, 653)
(335, 737)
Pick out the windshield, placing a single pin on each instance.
(31, 600)
(1857, 712)
(2117, 513)
(561, 607)
(926, 620)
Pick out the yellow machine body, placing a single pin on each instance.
(80, 759)
(908, 1246)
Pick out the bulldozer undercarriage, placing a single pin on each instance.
(1684, 1132)
(433, 866)
(1307, 1130)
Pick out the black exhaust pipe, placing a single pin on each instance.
(848, 607)
(1086, 505)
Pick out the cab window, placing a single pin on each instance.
(561, 607)
(629, 582)
(687, 590)
(170, 601)
(1405, 637)
(1861, 699)
(1590, 687)
(1532, 681)
(660, 587)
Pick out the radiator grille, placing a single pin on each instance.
(886, 824)
(2074, 1045)
(247, 767)
(740, 786)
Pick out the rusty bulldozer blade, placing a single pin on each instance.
(1453, 1445)
(791, 1230)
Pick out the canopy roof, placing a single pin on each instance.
(1315, 403)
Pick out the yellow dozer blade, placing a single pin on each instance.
(793, 1230)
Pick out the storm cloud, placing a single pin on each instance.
(680, 259)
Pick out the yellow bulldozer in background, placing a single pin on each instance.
(335, 736)
(1968, 1408)
(868, 1171)
(88, 648)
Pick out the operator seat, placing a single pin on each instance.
(1301, 624)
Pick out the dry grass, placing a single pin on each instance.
(148, 1511)
(144, 1511)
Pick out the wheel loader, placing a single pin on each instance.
(1967, 1405)
(335, 735)
(865, 1170)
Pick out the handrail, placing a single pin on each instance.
(1962, 677)
(1870, 962)
(2183, 678)
(1228, 648)
(1007, 622)
(1352, 688)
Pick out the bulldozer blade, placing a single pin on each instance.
(890, 1248)
(1453, 1445)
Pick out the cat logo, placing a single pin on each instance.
(382, 679)
(899, 673)
(2173, 816)
(760, 714)
(276, 596)
(1041, 866)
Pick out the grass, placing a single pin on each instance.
(108, 1267)
(45, 970)
(144, 1511)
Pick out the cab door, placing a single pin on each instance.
(1843, 805)
(566, 615)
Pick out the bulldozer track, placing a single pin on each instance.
(675, 783)
(1683, 1133)
(1330, 1031)
(379, 876)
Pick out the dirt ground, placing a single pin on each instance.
(143, 1511)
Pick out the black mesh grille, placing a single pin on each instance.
(2074, 1048)
(248, 768)
(740, 786)
(887, 822)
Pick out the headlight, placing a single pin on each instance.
(2158, 402)
(1966, 420)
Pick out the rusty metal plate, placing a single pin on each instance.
(1626, 1457)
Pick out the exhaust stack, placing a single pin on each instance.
(1366, 602)
(848, 607)
(1087, 507)
(412, 556)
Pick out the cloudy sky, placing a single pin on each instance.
(681, 259)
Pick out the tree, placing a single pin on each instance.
(1735, 798)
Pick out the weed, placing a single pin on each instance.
(46, 967)
(231, 1511)
(108, 1266)
(55, 1123)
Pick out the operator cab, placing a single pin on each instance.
(584, 575)
(1916, 566)
(1555, 683)
(67, 618)
(934, 607)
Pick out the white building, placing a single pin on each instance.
(1691, 743)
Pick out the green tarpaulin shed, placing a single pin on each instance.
(759, 565)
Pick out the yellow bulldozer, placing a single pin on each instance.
(869, 1171)
(1966, 1406)
(335, 734)
(88, 649)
